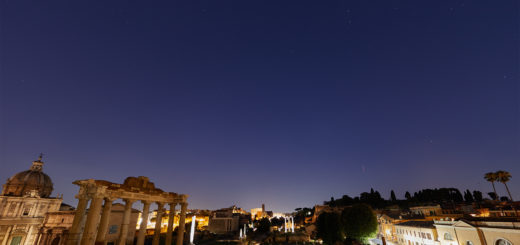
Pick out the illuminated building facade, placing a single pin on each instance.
(433, 210)
(479, 232)
(202, 219)
(24, 202)
(416, 233)
(224, 221)
(260, 213)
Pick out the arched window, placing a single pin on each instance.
(447, 236)
(469, 243)
(502, 241)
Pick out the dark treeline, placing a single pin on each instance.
(424, 196)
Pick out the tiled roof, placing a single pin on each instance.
(414, 223)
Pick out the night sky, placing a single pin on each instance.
(285, 103)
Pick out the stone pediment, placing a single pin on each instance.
(461, 223)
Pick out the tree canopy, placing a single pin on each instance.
(359, 222)
(329, 228)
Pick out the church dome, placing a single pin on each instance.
(29, 182)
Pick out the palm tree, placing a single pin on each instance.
(492, 177)
(503, 177)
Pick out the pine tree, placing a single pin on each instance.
(392, 196)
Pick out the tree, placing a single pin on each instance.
(277, 221)
(492, 177)
(331, 203)
(503, 177)
(359, 222)
(264, 226)
(407, 196)
(493, 195)
(468, 197)
(329, 228)
(477, 195)
(392, 196)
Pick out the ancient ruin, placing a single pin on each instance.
(102, 194)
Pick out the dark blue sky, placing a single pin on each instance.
(285, 103)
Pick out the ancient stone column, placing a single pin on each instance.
(171, 217)
(126, 220)
(158, 221)
(144, 222)
(91, 225)
(103, 223)
(45, 237)
(7, 234)
(182, 222)
(75, 230)
(37, 238)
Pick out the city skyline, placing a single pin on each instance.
(287, 103)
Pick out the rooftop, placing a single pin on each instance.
(421, 224)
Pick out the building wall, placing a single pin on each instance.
(407, 235)
(461, 233)
(427, 210)
(446, 234)
(468, 234)
(491, 235)
(223, 225)
(387, 228)
(22, 217)
(115, 221)
(55, 228)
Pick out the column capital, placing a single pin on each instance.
(82, 194)
(160, 205)
(184, 205)
(97, 195)
(110, 199)
(129, 201)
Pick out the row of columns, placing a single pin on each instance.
(289, 221)
(96, 226)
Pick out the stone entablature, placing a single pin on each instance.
(133, 189)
